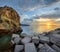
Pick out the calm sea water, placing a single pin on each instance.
(27, 30)
(40, 27)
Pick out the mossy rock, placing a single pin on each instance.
(4, 42)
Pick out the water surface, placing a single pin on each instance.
(41, 26)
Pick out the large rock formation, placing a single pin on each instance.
(9, 20)
(9, 24)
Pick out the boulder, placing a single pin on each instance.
(9, 21)
(9, 24)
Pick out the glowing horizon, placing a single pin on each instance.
(47, 19)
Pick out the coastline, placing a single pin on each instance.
(38, 42)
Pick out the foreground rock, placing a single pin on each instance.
(35, 39)
(15, 35)
(30, 47)
(40, 46)
(9, 21)
(49, 42)
(19, 48)
(55, 38)
(23, 35)
(56, 48)
(17, 40)
(9, 24)
(46, 48)
(26, 40)
(44, 39)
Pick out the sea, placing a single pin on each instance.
(40, 28)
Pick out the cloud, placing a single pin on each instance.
(24, 16)
(33, 4)
(55, 14)
(57, 8)
(23, 6)
(28, 4)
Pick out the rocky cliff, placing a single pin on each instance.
(9, 20)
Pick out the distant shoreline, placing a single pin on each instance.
(24, 25)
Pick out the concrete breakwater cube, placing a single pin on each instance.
(44, 39)
(26, 40)
(18, 48)
(35, 39)
(23, 35)
(15, 35)
(30, 47)
(17, 40)
(56, 48)
(40, 45)
(46, 48)
(55, 38)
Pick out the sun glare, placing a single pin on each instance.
(46, 24)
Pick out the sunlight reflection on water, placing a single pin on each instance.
(45, 26)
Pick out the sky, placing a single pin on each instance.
(28, 9)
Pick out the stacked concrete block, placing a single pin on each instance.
(35, 39)
(23, 35)
(15, 35)
(17, 40)
(40, 45)
(44, 39)
(30, 47)
(19, 48)
(26, 40)
(55, 38)
(56, 48)
(46, 48)
(43, 42)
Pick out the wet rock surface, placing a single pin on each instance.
(49, 42)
